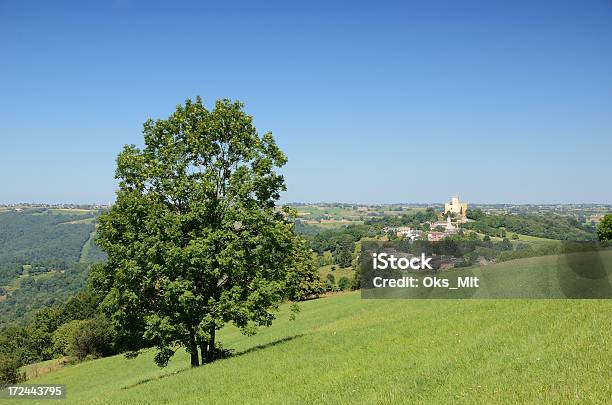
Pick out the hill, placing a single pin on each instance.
(40, 251)
(346, 349)
(574, 275)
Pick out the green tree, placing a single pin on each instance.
(194, 240)
(63, 338)
(344, 256)
(344, 283)
(10, 369)
(604, 230)
(474, 213)
(93, 337)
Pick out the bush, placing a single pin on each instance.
(9, 369)
(63, 338)
(331, 279)
(604, 230)
(94, 338)
(344, 283)
(82, 338)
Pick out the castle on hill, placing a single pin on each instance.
(456, 207)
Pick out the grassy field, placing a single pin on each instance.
(329, 217)
(521, 238)
(344, 349)
(338, 272)
(87, 248)
(43, 367)
(575, 275)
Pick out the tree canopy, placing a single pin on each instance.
(604, 230)
(195, 239)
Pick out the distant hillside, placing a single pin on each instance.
(40, 250)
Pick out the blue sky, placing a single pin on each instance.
(372, 102)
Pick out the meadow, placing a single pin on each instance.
(344, 349)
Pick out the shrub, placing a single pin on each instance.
(331, 279)
(63, 338)
(94, 338)
(344, 283)
(82, 338)
(9, 369)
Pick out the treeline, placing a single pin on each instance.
(415, 220)
(39, 254)
(42, 290)
(75, 328)
(30, 238)
(550, 226)
(340, 243)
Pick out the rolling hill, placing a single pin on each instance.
(346, 349)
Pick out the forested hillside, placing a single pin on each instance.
(44, 257)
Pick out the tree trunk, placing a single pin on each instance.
(203, 349)
(210, 355)
(193, 349)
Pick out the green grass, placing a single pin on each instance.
(79, 221)
(343, 349)
(576, 275)
(521, 238)
(338, 273)
(87, 247)
(43, 367)
(64, 211)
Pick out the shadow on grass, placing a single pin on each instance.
(237, 354)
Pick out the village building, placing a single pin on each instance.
(435, 236)
(405, 231)
(447, 225)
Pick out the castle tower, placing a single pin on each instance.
(456, 207)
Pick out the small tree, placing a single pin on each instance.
(604, 230)
(82, 338)
(63, 338)
(93, 337)
(195, 240)
(9, 369)
(344, 283)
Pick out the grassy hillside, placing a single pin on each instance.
(574, 275)
(345, 349)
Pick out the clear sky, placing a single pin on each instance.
(499, 101)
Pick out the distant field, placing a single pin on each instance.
(584, 274)
(81, 221)
(71, 211)
(521, 238)
(332, 223)
(338, 273)
(65, 211)
(343, 349)
(337, 216)
(87, 248)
